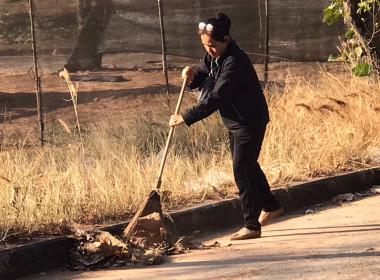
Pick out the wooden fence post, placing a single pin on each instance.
(36, 76)
(266, 50)
(163, 46)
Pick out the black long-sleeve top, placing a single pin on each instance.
(237, 93)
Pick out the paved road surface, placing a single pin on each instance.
(336, 242)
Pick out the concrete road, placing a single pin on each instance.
(335, 242)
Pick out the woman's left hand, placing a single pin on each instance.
(176, 120)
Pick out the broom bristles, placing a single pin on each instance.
(151, 204)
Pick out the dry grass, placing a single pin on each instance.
(323, 127)
(328, 126)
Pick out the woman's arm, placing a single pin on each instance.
(201, 72)
(228, 83)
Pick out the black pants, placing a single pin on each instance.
(254, 190)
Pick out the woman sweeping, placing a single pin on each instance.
(229, 83)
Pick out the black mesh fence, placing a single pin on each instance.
(114, 50)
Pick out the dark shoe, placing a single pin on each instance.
(266, 217)
(246, 233)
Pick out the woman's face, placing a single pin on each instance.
(213, 47)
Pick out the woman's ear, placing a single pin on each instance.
(226, 38)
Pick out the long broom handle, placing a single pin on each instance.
(159, 181)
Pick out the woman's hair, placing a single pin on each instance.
(221, 27)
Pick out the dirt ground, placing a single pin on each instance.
(143, 89)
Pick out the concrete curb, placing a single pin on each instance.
(49, 254)
(228, 213)
(34, 258)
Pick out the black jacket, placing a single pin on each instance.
(237, 93)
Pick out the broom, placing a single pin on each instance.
(152, 203)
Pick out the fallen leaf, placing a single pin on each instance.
(343, 197)
(150, 223)
(375, 189)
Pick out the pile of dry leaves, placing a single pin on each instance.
(150, 244)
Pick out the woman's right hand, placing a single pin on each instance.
(188, 73)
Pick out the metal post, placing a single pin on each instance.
(163, 46)
(36, 77)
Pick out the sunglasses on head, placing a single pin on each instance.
(202, 26)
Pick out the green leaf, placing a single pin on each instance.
(332, 57)
(358, 51)
(363, 6)
(331, 16)
(350, 34)
(362, 69)
(343, 56)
